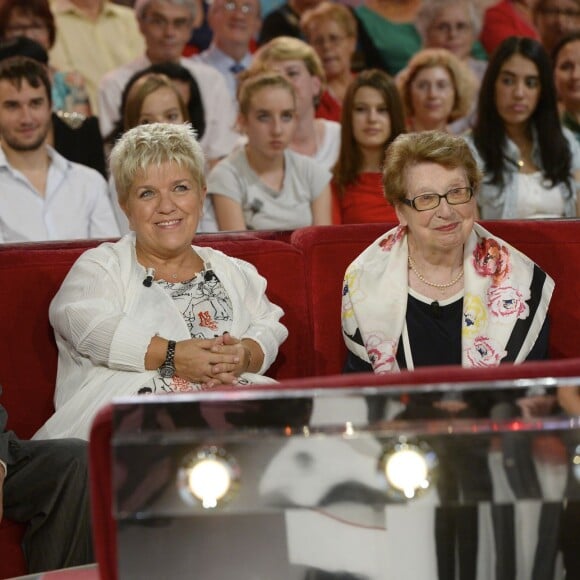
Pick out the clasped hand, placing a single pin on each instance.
(211, 362)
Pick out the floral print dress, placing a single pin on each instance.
(208, 313)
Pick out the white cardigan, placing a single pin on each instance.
(104, 318)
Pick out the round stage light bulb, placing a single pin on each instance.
(407, 470)
(209, 480)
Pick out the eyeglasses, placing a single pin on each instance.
(556, 12)
(425, 86)
(163, 23)
(243, 8)
(448, 27)
(331, 40)
(427, 201)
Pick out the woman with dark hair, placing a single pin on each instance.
(566, 59)
(33, 19)
(372, 117)
(530, 164)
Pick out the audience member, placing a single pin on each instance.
(316, 138)
(44, 484)
(387, 27)
(331, 29)
(188, 89)
(530, 163)
(45, 196)
(152, 97)
(554, 19)
(507, 18)
(166, 26)
(93, 37)
(566, 61)
(152, 313)
(372, 118)
(433, 291)
(437, 89)
(234, 23)
(454, 25)
(33, 19)
(147, 98)
(285, 20)
(433, 281)
(266, 185)
(74, 136)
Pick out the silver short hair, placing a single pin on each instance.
(153, 145)
(429, 10)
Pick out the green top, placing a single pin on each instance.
(396, 42)
(477, 51)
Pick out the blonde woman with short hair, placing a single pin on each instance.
(299, 63)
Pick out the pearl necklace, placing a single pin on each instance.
(441, 287)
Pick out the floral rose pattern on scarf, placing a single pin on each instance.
(381, 352)
(474, 316)
(491, 259)
(387, 244)
(505, 303)
(497, 295)
(484, 352)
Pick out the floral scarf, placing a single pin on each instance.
(506, 299)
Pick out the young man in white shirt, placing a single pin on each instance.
(43, 196)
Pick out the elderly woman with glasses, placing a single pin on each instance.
(454, 25)
(439, 289)
(330, 28)
(437, 89)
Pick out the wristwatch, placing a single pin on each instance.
(167, 369)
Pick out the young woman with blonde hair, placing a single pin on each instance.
(299, 63)
(265, 184)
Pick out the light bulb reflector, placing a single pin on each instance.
(407, 471)
(208, 476)
(209, 481)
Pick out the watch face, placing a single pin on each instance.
(166, 371)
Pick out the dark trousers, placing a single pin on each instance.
(47, 489)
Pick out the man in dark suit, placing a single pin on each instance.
(44, 484)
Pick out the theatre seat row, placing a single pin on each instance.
(304, 270)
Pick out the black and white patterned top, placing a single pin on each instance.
(208, 313)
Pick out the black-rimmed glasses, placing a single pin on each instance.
(427, 201)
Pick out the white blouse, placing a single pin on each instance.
(536, 199)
